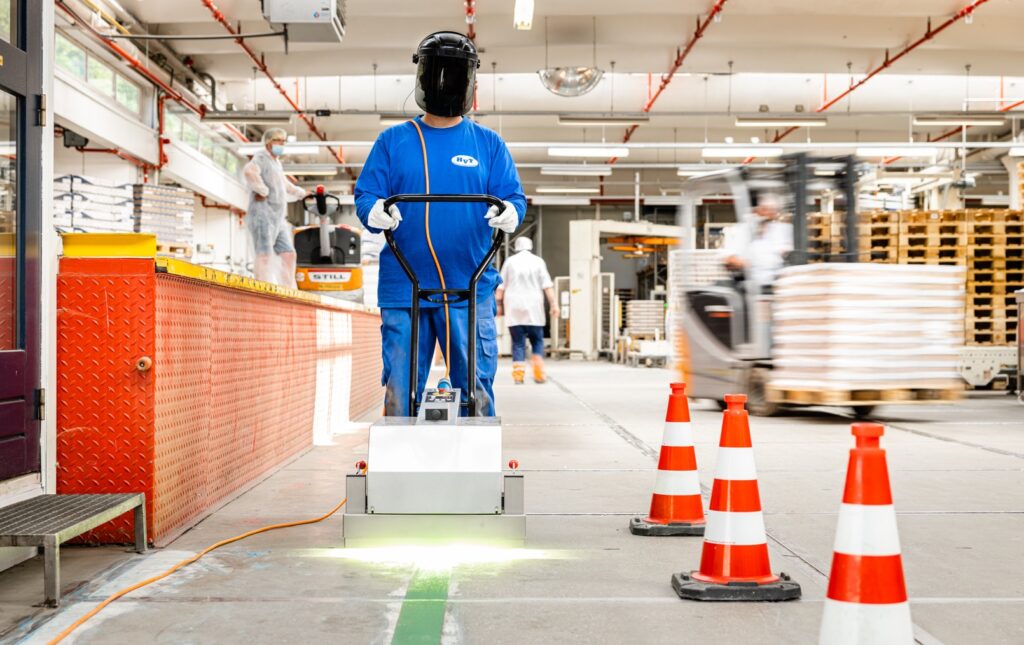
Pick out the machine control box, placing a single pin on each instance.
(440, 406)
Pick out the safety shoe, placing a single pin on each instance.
(518, 373)
(538, 369)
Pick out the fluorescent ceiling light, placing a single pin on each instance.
(252, 118)
(541, 200)
(289, 149)
(906, 151)
(522, 15)
(569, 190)
(388, 120)
(311, 171)
(577, 170)
(741, 152)
(599, 120)
(595, 151)
(689, 172)
(781, 122)
(1016, 151)
(959, 119)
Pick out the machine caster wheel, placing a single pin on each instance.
(863, 411)
(757, 404)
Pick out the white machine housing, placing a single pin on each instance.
(434, 468)
(308, 21)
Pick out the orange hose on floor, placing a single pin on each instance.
(160, 576)
(430, 245)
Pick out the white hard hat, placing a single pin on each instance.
(522, 243)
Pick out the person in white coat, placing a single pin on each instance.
(525, 284)
(758, 246)
(270, 190)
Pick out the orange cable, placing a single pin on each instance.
(160, 576)
(430, 245)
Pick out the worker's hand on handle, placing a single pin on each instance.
(385, 220)
(507, 220)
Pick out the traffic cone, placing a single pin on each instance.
(734, 564)
(675, 506)
(867, 598)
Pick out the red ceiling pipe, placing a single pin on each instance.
(160, 138)
(133, 62)
(218, 206)
(262, 66)
(471, 20)
(676, 64)
(889, 60)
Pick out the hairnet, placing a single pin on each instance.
(522, 243)
(274, 133)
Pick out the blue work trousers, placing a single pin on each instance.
(522, 333)
(396, 337)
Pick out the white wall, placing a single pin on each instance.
(92, 164)
(226, 232)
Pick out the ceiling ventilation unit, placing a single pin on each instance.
(308, 21)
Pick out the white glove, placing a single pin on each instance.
(385, 220)
(507, 221)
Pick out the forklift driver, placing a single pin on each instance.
(756, 249)
(439, 153)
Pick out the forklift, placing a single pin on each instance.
(726, 327)
(327, 254)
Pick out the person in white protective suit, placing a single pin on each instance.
(270, 191)
(525, 284)
(758, 246)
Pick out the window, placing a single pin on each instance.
(70, 57)
(101, 77)
(172, 124)
(189, 136)
(128, 93)
(220, 157)
(206, 147)
(232, 165)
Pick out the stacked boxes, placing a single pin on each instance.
(698, 267)
(165, 211)
(849, 327)
(646, 318)
(89, 205)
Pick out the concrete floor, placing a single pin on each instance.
(587, 443)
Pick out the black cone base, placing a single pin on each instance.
(638, 526)
(690, 589)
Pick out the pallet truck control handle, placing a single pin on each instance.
(322, 198)
(451, 295)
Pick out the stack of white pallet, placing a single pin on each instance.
(695, 267)
(165, 211)
(868, 327)
(90, 205)
(646, 317)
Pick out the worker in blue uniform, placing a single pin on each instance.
(440, 152)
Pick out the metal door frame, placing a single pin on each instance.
(21, 67)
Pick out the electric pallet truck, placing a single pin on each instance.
(436, 477)
(328, 255)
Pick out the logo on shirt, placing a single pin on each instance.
(465, 161)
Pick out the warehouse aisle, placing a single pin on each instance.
(587, 442)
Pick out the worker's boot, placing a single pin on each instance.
(518, 373)
(538, 369)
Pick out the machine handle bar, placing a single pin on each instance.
(321, 202)
(469, 292)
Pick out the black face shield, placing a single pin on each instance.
(445, 74)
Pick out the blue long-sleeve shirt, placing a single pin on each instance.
(465, 159)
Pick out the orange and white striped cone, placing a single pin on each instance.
(734, 564)
(867, 597)
(676, 507)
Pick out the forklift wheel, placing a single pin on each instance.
(757, 404)
(863, 411)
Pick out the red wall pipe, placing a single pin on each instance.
(676, 64)
(262, 66)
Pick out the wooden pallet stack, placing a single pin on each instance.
(933, 237)
(995, 270)
(879, 235)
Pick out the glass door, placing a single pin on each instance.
(22, 116)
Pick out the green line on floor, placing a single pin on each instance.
(422, 616)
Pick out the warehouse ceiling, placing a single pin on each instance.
(775, 57)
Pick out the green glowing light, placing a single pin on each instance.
(438, 558)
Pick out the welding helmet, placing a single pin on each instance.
(446, 64)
